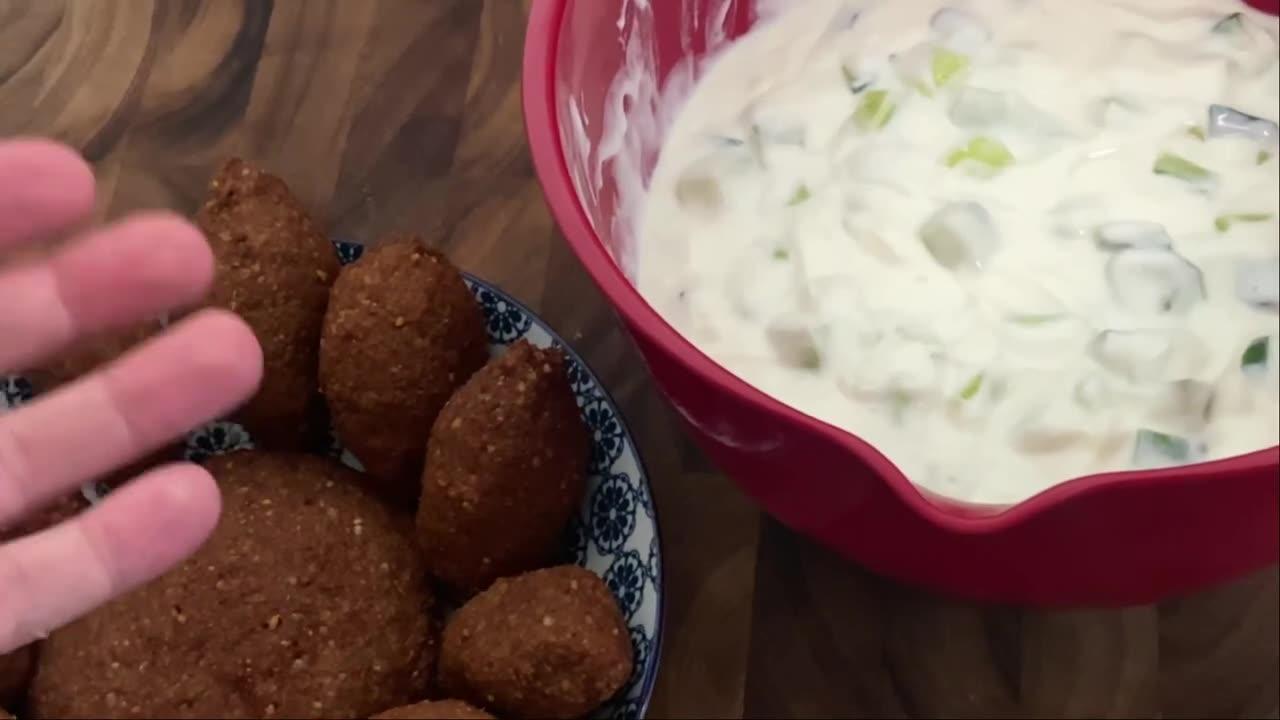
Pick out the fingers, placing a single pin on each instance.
(197, 371)
(47, 189)
(114, 276)
(137, 533)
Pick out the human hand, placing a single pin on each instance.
(199, 369)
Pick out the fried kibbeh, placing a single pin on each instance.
(309, 600)
(274, 268)
(435, 710)
(15, 674)
(402, 333)
(547, 644)
(506, 467)
(17, 666)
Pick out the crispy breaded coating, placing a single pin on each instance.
(309, 600)
(435, 710)
(548, 644)
(274, 268)
(506, 467)
(402, 333)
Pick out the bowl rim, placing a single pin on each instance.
(648, 681)
(538, 96)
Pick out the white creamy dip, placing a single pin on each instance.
(1006, 242)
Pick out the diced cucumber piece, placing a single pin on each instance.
(1155, 281)
(960, 236)
(1132, 234)
(988, 153)
(1181, 168)
(947, 64)
(971, 388)
(853, 81)
(1230, 24)
(1224, 222)
(781, 254)
(1197, 132)
(875, 110)
(1255, 355)
(1263, 157)
(801, 195)
(1156, 449)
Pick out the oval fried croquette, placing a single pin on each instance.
(274, 268)
(309, 600)
(401, 334)
(506, 466)
(547, 644)
(435, 710)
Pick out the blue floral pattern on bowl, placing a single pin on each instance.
(614, 534)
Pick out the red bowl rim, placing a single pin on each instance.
(541, 127)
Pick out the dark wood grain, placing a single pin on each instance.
(405, 114)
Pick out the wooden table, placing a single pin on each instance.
(406, 114)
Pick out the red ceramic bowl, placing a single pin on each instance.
(1111, 539)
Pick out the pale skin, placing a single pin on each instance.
(198, 370)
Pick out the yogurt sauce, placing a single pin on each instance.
(1006, 242)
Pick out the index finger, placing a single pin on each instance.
(45, 189)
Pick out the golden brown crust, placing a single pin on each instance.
(402, 333)
(548, 644)
(274, 268)
(506, 467)
(435, 710)
(309, 600)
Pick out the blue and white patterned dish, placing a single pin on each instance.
(614, 534)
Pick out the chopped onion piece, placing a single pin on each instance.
(960, 236)
(1132, 234)
(1154, 280)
